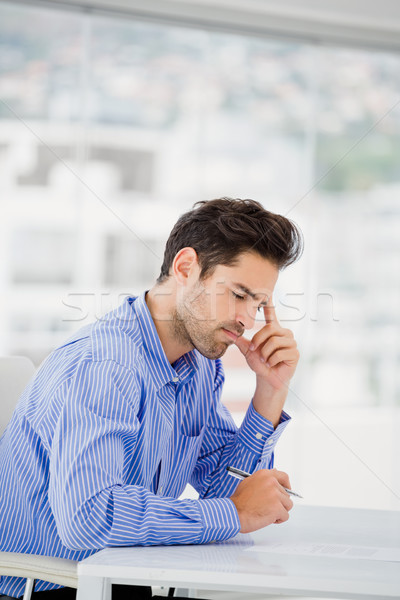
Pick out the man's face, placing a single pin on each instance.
(214, 311)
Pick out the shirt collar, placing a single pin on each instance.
(187, 365)
(160, 369)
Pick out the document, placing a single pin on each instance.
(331, 550)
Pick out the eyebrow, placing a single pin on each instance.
(246, 290)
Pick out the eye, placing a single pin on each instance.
(238, 296)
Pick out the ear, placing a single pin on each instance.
(185, 267)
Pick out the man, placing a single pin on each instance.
(120, 418)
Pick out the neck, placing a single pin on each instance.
(161, 302)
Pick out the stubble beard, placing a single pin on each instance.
(194, 333)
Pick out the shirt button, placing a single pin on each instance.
(259, 436)
(161, 489)
(175, 379)
(270, 442)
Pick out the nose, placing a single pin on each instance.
(246, 317)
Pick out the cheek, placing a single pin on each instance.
(196, 304)
(225, 307)
(214, 305)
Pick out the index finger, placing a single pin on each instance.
(283, 478)
(269, 311)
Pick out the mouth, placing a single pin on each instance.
(231, 334)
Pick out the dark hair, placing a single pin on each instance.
(220, 230)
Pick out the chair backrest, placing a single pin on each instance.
(15, 373)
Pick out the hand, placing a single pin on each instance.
(261, 500)
(272, 352)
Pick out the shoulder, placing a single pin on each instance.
(116, 338)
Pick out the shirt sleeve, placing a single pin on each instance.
(249, 447)
(93, 508)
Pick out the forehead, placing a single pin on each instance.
(250, 271)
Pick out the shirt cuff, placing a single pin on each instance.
(258, 434)
(219, 518)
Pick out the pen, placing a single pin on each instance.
(239, 474)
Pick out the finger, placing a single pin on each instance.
(282, 516)
(276, 344)
(283, 355)
(283, 478)
(268, 331)
(287, 502)
(269, 312)
(243, 345)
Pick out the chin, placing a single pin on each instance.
(214, 353)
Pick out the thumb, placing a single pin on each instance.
(242, 344)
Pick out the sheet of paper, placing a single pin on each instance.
(333, 550)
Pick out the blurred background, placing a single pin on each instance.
(115, 118)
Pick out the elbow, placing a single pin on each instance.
(86, 524)
(82, 532)
(74, 537)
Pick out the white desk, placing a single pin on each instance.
(231, 567)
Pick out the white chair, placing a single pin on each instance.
(15, 374)
(33, 566)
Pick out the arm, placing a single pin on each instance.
(95, 440)
(251, 447)
(272, 354)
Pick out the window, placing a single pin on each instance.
(111, 128)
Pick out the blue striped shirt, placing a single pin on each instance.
(105, 438)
